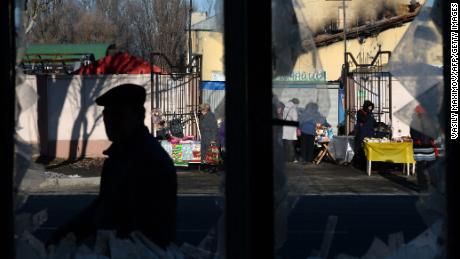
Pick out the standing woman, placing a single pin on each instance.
(364, 128)
(308, 120)
(208, 129)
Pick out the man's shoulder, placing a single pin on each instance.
(151, 146)
(152, 155)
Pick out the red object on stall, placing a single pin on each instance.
(119, 63)
(212, 155)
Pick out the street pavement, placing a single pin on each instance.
(331, 179)
(322, 179)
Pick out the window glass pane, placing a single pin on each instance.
(86, 163)
(350, 108)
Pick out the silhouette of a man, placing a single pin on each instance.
(138, 182)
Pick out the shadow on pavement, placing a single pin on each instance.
(392, 173)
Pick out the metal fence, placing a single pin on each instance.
(55, 63)
(368, 81)
(176, 92)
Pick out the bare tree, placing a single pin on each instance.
(137, 26)
(210, 5)
(35, 9)
(159, 26)
(68, 21)
(56, 25)
(96, 28)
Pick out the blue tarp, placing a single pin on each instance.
(341, 105)
(213, 85)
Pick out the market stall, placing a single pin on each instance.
(183, 152)
(389, 150)
(323, 137)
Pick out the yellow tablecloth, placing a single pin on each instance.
(394, 152)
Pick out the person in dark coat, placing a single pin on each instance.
(138, 189)
(221, 135)
(364, 128)
(365, 122)
(309, 118)
(425, 150)
(208, 129)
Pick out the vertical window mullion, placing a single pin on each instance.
(249, 172)
(7, 102)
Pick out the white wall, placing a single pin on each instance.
(71, 100)
(72, 112)
(325, 96)
(400, 97)
(27, 127)
(79, 94)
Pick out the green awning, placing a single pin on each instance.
(99, 50)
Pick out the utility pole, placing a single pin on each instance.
(345, 63)
(344, 31)
(344, 35)
(190, 35)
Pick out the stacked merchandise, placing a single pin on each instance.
(387, 140)
(323, 134)
(183, 151)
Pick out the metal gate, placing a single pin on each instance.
(368, 81)
(176, 93)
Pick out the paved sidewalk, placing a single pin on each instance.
(323, 179)
(40, 180)
(330, 179)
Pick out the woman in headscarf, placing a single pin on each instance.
(309, 118)
(365, 122)
(364, 128)
(208, 129)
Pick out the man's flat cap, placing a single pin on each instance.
(126, 94)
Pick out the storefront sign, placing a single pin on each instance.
(302, 77)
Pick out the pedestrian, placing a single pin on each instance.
(309, 119)
(208, 131)
(425, 150)
(138, 189)
(290, 132)
(364, 128)
(161, 132)
(221, 134)
(279, 109)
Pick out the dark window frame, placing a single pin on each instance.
(249, 172)
(7, 103)
(452, 146)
